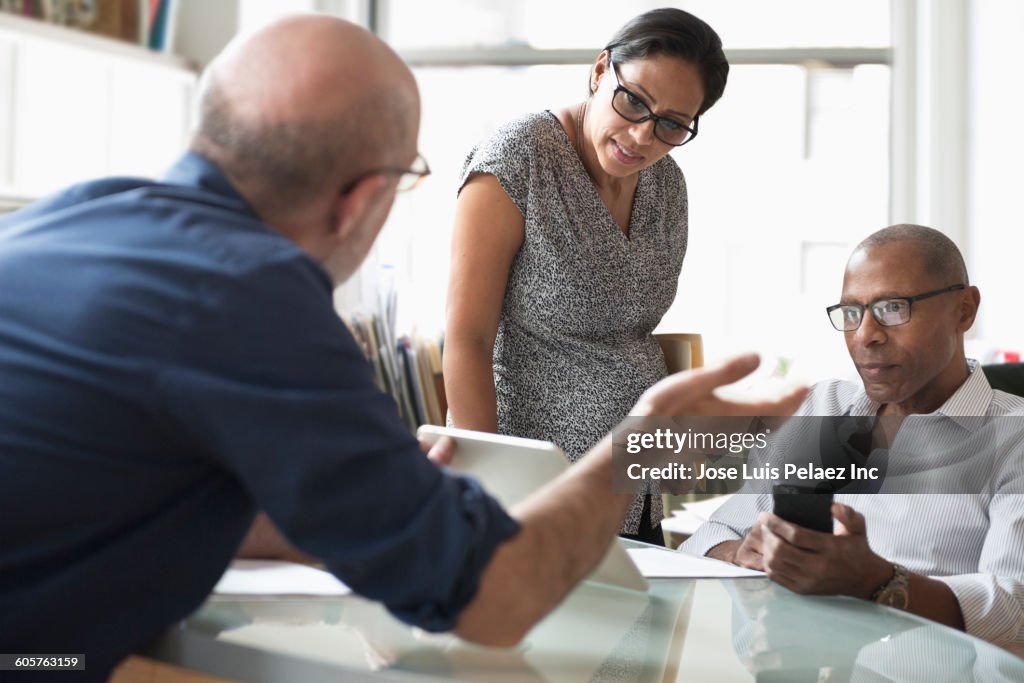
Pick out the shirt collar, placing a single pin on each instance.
(194, 170)
(970, 400)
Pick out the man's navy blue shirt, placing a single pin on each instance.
(168, 365)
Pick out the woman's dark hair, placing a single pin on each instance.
(673, 32)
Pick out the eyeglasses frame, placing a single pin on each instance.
(870, 307)
(409, 178)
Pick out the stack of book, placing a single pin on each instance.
(408, 367)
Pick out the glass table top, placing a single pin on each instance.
(681, 630)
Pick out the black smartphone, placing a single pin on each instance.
(805, 506)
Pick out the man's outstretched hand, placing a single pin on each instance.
(692, 393)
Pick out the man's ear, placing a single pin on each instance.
(354, 206)
(969, 308)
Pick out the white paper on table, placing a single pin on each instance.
(705, 508)
(682, 522)
(669, 564)
(686, 520)
(269, 577)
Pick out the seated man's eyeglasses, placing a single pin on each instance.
(630, 107)
(887, 312)
(408, 178)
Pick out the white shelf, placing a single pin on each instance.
(33, 29)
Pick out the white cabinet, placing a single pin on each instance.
(75, 106)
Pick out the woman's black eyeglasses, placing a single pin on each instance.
(630, 107)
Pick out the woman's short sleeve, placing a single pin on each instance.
(510, 155)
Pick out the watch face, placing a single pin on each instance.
(896, 597)
(896, 593)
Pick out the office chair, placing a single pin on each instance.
(1008, 377)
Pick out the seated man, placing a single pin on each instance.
(958, 559)
(171, 361)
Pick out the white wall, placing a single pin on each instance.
(995, 244)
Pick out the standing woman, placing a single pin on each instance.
(570, 231)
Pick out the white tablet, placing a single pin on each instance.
(511, 468)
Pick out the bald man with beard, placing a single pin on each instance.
(171, 362)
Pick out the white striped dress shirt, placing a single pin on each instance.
(973, 542)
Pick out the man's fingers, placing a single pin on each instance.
(749, 554)
(441, 451)
(750, 560)
(784, 563)
(683, 392)
(691, 392)
(703, 380)
(852, 521)
(794, 534)
(727, 372)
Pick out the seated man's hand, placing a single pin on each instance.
(749, 553)
(816, 563)
(745, 552)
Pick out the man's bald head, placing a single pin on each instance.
(304, 106)
(937, 254)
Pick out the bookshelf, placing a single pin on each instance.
(75, 105)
